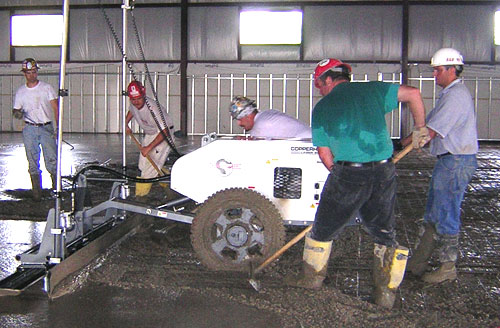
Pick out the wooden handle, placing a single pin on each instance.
(283, 249)
(402, 153)
(147, 156)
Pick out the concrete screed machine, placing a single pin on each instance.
(247, 191)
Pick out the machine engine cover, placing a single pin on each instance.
(288, 172)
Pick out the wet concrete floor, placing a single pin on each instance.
(153, 278)
(96, 305)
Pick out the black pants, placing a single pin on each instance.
(370, 190)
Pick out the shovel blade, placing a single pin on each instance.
(255, 284)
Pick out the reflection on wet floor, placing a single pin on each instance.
(14, 168)
(16, 237)
(78, 151)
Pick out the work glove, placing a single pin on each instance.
(420, 137)
(18, 113)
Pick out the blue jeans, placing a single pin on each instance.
(371, 191)
(33, 138)
(451, 175)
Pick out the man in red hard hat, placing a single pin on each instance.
(349, 129)
(147, 114)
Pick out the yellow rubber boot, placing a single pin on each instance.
(388, 271)
(142, 189)
(314, 265)
(165, 172)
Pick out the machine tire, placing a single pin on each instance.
(235, 226)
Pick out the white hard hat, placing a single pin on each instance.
(447, 56)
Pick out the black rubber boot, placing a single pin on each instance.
(418, 262)
(54, 181)
(37, 189)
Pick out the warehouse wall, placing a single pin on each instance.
(351, 32)
(368, 36)
(94, 101)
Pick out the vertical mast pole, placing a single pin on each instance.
(58, 251)
(125, 7)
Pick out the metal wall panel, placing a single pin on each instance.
(353, 32)
(469, 29)
(92, 39)
(89, 35)
(4, 36)
(281, 52)
(213, 33)
(159, 33)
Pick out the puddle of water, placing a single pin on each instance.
(7, 197)
(16, 237)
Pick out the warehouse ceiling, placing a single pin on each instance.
(109, 2)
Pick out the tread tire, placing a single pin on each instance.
(260, 227)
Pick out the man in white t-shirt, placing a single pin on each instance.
(266, 124)
(147, 114)
(36, 103)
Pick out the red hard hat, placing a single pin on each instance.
(327, 65)
(136, 90)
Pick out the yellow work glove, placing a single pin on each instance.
(420, 137)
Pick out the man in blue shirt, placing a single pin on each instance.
(452, 127)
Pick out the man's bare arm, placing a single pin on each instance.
(326, 156)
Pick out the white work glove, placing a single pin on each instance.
(420, 137)
(18, 113)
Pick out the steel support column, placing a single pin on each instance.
(405, 128)
(183, 66)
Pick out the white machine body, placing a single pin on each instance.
(288, 172)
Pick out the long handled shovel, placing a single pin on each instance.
(255, 283)
(147, 156)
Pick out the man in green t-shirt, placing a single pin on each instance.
(350, 131)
